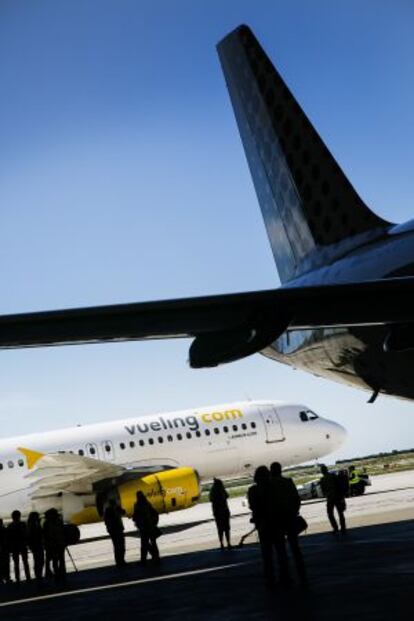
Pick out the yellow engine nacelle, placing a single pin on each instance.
(167, 491)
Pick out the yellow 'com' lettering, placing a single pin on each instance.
(217, 417)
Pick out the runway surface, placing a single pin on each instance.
(368, 574)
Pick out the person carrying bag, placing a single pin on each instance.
(288, 522)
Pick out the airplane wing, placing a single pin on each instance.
(224, 327)
(57, 473)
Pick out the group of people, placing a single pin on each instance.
(146, 521)
(274, 502)
(45, 541)
(273, 499)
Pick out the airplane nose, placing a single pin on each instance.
(338, 435)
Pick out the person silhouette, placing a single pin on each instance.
(17, 541)
(259, 499)
(335, 499)
(146, 520)
(35, 542)
(4, 555)
(285, 509)
(218, 498)
(115, 527)
(54, 538)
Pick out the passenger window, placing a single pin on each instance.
(107, 448)
(10, 464)
(198, 433)
(188, 434)
(179, 436)
(216, 430)
(1, 466)
(225, 429)
(303, 416)
(235, 427)
(207, 432)
(141, 442)
(92, 451)
(151, 441)
(21, 463)
(132, 444)
(253, 425)
(244, 426)
(81, 452)
(160, 439)
(122, 445)
(169, 438)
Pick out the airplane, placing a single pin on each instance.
(345, 307)
(167, 456)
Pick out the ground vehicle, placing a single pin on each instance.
(312, 489)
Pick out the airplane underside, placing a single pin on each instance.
(355, 357)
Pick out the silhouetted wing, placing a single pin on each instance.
(225, 327)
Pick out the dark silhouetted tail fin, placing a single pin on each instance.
(311, 211)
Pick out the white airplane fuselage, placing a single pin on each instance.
(228, 440)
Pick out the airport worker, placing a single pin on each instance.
(285, 508)
(146, 520)
(54, 538)
(259, 497)
(334, 499)
(354, 481)
(17, 542)
(218, 498)
(35, 542)
(115, 527)
(4, 555)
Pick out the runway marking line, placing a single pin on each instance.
(106, 587)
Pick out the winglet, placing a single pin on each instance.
(31, 456)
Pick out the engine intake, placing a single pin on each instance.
(212, 349)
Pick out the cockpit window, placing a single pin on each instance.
(307, 415)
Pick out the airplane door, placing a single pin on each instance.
(108, 450)
(273, 426)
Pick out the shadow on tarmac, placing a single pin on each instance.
(367, 574)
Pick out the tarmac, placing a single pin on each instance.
(367, 574)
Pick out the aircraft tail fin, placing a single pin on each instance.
(310, 209)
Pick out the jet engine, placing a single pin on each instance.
(170, 490)
(167, 491)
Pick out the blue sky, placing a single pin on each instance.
(122, 178)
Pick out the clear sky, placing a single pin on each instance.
(122, 178)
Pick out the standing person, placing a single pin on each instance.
(4, 555)
(146, 520)
(335, 499)
(54, 538)
(115, 527)
(285, 508)
(218, 498)
(259, 498)
(35, 542)
(17, 541)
